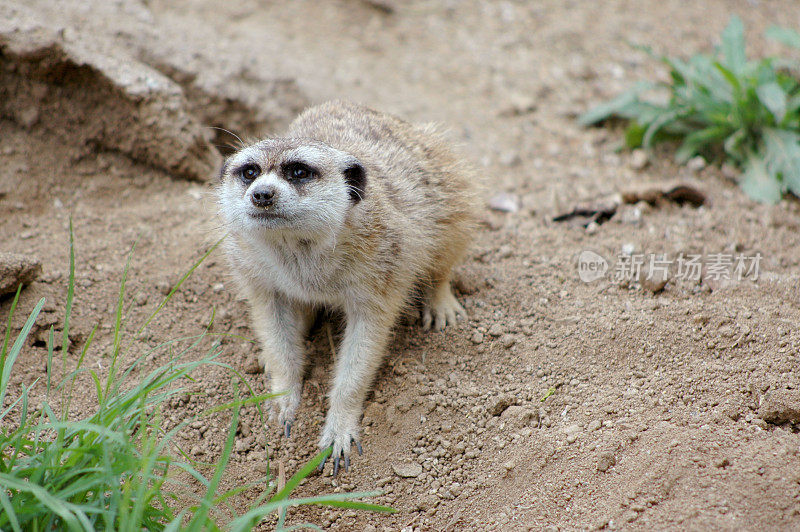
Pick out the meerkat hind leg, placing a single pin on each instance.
(441, 308)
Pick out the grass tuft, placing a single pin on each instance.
(723, 106)
(112, 468)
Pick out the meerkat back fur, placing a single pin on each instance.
(352, 209)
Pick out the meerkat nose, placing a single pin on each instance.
(263, 196)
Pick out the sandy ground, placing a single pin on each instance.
(676, 409)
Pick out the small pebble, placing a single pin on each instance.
(508, 340)
(696, 164)
(407, 469)
(605, 462)
(496, 330)
(639, 159)
(505, 202)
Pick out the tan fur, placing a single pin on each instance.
(411, 227)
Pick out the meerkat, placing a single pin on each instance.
(352, 209)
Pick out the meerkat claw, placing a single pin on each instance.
(336, 466)
(287, 428)
(322, 464)
(358, 448)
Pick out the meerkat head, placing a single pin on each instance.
(295, 186)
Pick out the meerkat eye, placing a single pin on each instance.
(249, 172)
(298, 171)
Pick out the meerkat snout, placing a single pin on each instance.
(355, 210)
(262, 196)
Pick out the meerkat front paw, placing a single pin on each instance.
(340, 433)
(442, 309)
(283, 409)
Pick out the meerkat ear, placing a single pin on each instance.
(356, 178)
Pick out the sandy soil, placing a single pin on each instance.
(675, 409)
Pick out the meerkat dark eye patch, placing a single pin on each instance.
(296, 171)
(249, 172)
(356, 179)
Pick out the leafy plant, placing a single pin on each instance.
(746, 112)
(112, 469)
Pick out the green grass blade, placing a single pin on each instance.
(733, 46)
(729, 76)
(613, 108)
(178, 285)
(7, 336)
(199, 520)
(70, 296)
(10, 357)
(696, 141)
(657, 125)
(774, 98)
(759, 182)
(786, 36)
(52, 503)
(306, 470)
(10, 514)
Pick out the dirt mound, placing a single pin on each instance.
(95, 99)
(89, 94)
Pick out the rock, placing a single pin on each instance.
(520, 416)
(505, 202)
(639, 159)
(373, 412)
(631, 215)
(655, 283)
(243, 446)
(15, 270)
(505, 251)
(594, 425)
(101, 97)
(572, 432)
(28, 117)
(605, 462)
(496, 330)
(407, 469)
(780, 406)
(499, 404)
(477, 337)
(140, 299)
(518, 104)
(510, 158)
(466, 285)
(696, 164)
(508, 340)
(253, 366)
